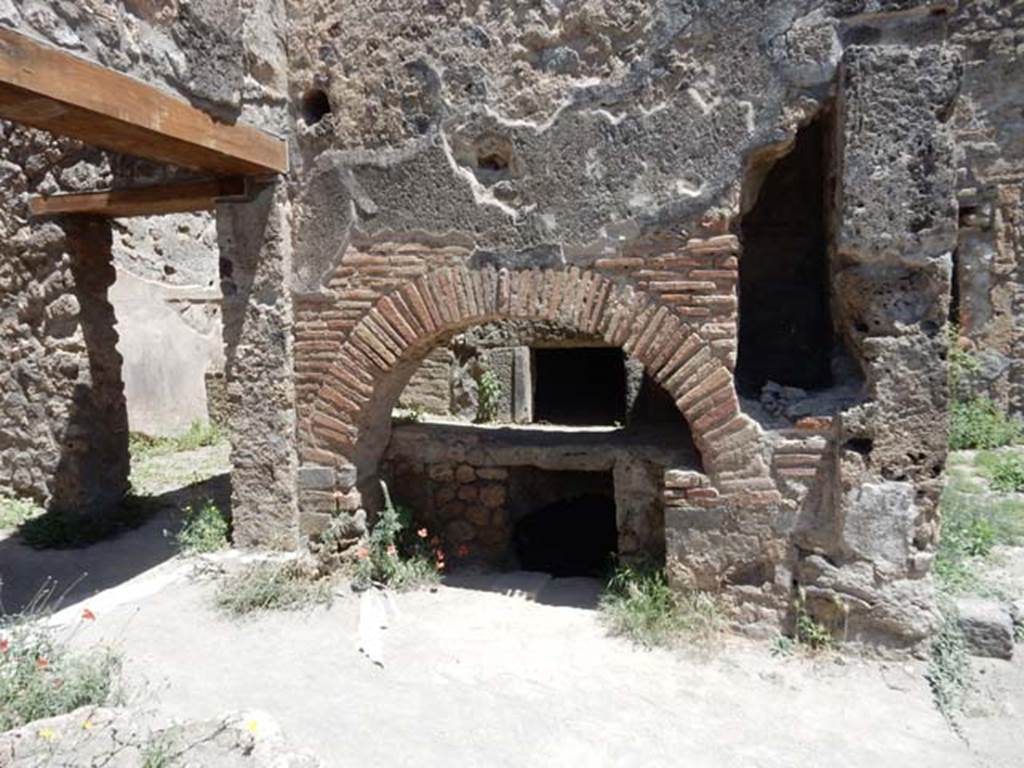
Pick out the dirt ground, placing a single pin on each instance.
(482, 675)
(511, 670)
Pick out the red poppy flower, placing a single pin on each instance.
(88, 615)
(41, 663)
(5, 646)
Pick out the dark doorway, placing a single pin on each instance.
(785, 330)
(579, 386)
(574, 535)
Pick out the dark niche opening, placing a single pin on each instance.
(571, 531)
(785, 332)
(315, 106)
(579, 386)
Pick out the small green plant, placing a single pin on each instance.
(949, 668)
(972, 526)
(158, 752)
(978, 423)
(808, 632)
(489, 394)
(205, 529)
(40, 676)
(411, 415)
(15, 511)
(640, 605)
(272, 585)
(1007, 473)
(782, 646)
(393, 556)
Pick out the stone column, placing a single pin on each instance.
(256, 264)
(895, 230)
(92, 473)
(255, 243)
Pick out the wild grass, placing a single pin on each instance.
(949, 673)
(200, 434)
(205, 529)
(272, 586)
(40, 676)
(1004, 469)
(972, 526)
(639, 605)
(978, 423)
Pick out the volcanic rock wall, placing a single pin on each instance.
(989, 125)
(590, 163)
(63, 424)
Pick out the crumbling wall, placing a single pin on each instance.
(989, 127)
(63, 429)
(60, 371)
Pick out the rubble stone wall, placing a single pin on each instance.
(590, 164)
(990, 258)
(63, 434)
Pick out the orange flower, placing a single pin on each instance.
(41, 663)
(362, 553)
(88, 615)
(422, 533)
(462, 551)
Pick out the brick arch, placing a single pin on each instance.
(349, 421)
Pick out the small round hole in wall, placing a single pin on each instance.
(315, 106)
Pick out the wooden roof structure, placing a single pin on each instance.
(49, 89)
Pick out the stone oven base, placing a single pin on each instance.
(473, 485)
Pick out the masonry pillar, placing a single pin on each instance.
(255, 243)
(895, 230)
(256, 263)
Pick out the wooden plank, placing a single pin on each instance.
(141, 201)
(48, 89)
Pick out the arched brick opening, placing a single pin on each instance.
(348, 423)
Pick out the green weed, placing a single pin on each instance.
(206, 529)
(200, 434)
(972, 526)
(978, 423)
(640, 605)
(41, 677)
(396, 556)
(949, 668)
(15, 511)
(488, 394)
(1007, 473)
(272, 585)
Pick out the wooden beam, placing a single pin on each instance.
(46, 88)
(141, 201)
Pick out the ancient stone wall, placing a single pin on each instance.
(990, 256)
(63, 428)
(591, 164)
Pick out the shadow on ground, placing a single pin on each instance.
(76, 574)
(577, 592)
